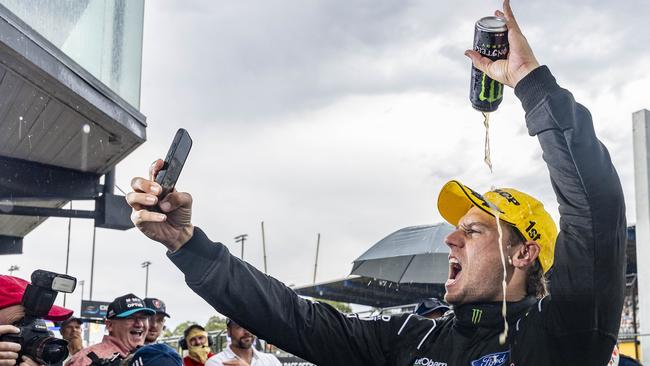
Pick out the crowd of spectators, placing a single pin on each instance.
(133, 327)
(627, 317)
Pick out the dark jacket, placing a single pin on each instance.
(576, 325)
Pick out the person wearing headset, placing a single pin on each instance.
(197, 343)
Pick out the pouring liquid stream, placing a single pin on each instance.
(486, 123)
(504, 284)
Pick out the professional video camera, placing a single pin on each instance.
(34, 338)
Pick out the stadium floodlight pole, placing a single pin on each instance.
(146, 265)
(13, 268)
(81, 283)
(316, 261)
(241, 239)
(264, 247)
(67, 253)
(92, 264)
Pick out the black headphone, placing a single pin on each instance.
(183, 341)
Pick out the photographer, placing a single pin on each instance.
(12, 311)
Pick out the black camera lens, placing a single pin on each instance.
(48, 350)
(54, 351)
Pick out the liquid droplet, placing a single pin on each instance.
(6, 206)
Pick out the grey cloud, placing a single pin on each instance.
(247, 61)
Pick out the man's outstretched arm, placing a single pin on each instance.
(316, 332)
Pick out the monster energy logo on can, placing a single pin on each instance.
(491, 92)
(476, 315)
(491, 41)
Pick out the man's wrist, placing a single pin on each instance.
(532, 89)
(524, 70)
(185, 236)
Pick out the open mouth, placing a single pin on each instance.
(137, 332)
(454, 271)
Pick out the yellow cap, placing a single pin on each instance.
(514, 207)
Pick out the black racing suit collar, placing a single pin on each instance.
(488, 314)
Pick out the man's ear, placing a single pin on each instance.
(109, 324)
(526, 254)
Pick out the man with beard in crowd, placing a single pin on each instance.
(71, 331)
(241, 352)
(197, 343)
(157, 321)
(127, 322)
(12, 290)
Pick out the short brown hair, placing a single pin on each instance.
(536, 283)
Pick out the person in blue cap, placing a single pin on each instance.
(158, 354)
(127, 322)
(431, 308)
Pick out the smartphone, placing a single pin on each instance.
(176, 156)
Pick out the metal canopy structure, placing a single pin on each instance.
(372, 292)
(61, 129)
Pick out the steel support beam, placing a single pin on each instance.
(7, 209)
(26, 179)
(11, 245)
(641, 138)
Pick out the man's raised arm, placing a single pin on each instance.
(587, 280)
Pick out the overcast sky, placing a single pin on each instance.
(343, 118)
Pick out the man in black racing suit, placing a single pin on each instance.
(577, 324)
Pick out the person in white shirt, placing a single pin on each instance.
(241, 352)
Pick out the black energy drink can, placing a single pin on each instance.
(491, 41)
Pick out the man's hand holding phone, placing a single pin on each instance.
(173, 225)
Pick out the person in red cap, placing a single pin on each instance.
(11, 311)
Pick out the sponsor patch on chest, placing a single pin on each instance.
(424, 361)
(493, 359)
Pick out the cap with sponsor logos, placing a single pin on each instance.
(516, 208)
(127, 305)
(157, 305)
